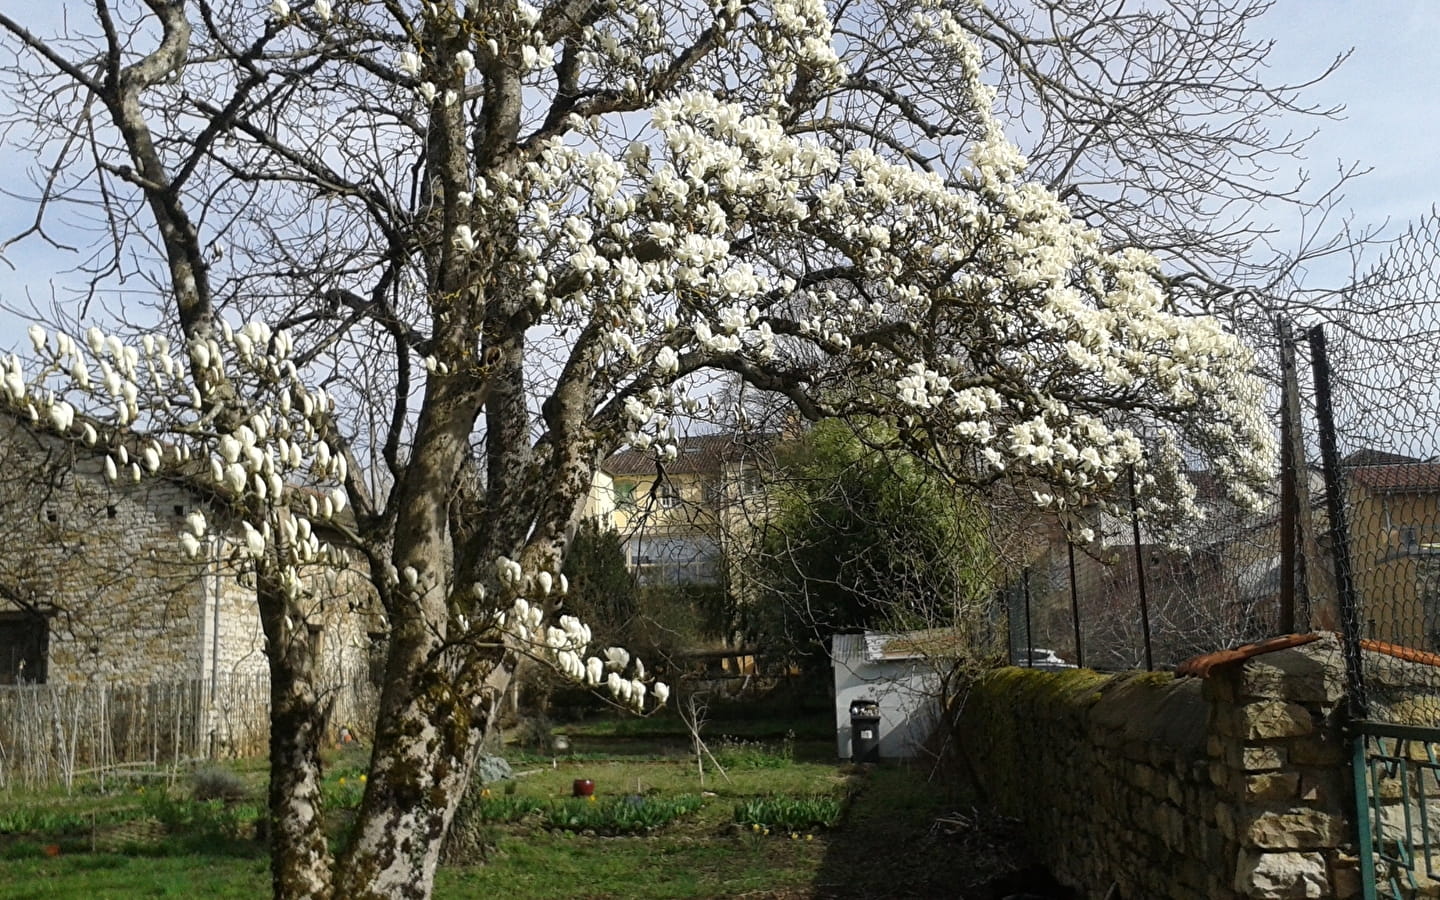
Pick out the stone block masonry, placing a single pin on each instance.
(1147, 786)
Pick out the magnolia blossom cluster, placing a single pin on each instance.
(798, 40)
(1036, 338)
(265, 452)
(1003, 264)
(565, 644)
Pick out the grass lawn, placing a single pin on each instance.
(881, 846)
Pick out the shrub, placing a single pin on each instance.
(218, 784)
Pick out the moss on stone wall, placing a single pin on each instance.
(1162, 786)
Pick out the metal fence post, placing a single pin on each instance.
(1075, 608)
(1140, 573)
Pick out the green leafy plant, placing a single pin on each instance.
(737, 753)
(504, 808)
(785, 814)
(620, 815)
(22, 820)
(200, 820)
(344, 789)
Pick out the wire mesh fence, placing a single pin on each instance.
(1355, 548)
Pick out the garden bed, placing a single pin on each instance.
(779, 823)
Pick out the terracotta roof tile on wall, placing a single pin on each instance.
(700, 454)
(1401, 477)
(1369, 456)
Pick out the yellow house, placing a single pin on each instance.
(1394, 511)
(678, 518)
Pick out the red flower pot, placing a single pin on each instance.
(583, 787)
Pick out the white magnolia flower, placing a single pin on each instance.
(280, 9)
(464, 239)
(617, 658)
(410, 63)
(254, 540)
(190, 544)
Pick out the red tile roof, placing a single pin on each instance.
(1398, 478)
(700, 454)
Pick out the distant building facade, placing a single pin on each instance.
(679, 518)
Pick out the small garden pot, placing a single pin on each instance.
(583, 787)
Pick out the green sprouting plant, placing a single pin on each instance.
(200, 819)
(735, 753)
(344, 789)
(620, 815)
(785, 814)
(22, 820)
(502, 808)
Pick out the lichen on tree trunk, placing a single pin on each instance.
(300, 861)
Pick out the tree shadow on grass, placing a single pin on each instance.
(906, 836)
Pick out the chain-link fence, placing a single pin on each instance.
(1361, 372)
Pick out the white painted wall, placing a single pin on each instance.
(905, 689)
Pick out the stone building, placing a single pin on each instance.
(95, 589)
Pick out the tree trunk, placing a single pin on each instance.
(300, 862)
(424, 751)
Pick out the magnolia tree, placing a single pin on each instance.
(491, 243)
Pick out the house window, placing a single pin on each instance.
(625, 493)
(24, 641)
(668, 494)
(751, 481)
(715, 492)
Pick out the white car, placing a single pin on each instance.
(1041, 658)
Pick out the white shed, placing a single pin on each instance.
(900, 672)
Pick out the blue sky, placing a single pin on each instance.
(1389, 89)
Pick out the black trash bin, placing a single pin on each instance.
(864, 731)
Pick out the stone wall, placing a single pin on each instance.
(102, 562)
(123, 606)
(1144, 786)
